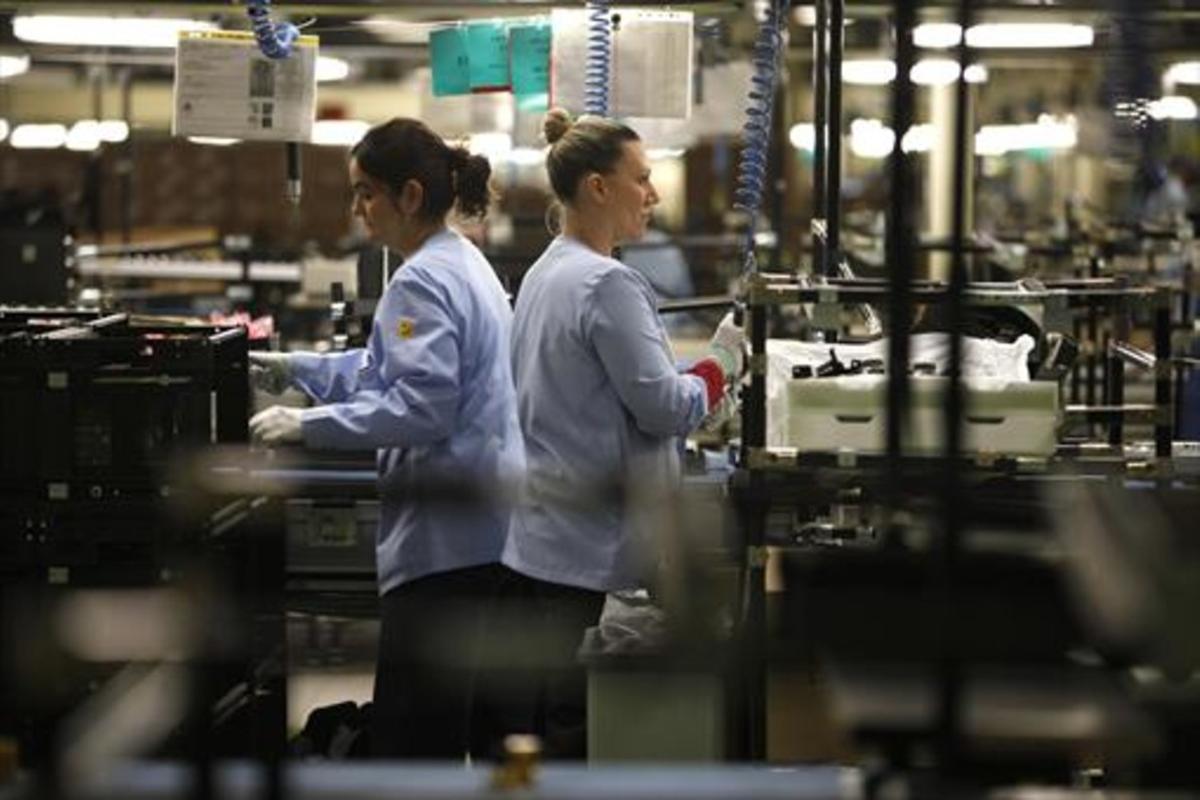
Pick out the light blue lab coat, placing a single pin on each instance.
(600, 400)
(433, 392)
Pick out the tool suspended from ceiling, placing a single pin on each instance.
(276, 40)
(756, 133)
(599, 58)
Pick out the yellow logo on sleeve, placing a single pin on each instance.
(405, 328)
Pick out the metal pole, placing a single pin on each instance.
(1162, 373)
(950, 667)
(833, 195)
(820, 86)
(899, 247)
(754, 522)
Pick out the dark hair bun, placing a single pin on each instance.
(556, 124)
(471, 174)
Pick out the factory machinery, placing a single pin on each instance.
(958, 546)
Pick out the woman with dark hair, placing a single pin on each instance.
(432, 392)
(601, 403)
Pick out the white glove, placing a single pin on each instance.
(276, 425)
(270, 372)
(727, 345)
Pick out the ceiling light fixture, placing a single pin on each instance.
(869, 71)
(1006, 35)
(215, 141)
(12, 66)
(1048, 133)
(103, 31)
(1174, 107)
(1186, 72)
(29, 137)
(332, 69)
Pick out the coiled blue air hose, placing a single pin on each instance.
(599, 58)
(274, 40)
(756, 133)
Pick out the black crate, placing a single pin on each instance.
(99, 410)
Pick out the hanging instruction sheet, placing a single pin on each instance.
(650, 66)
(529, 47)
(451, 65)
(224, 86)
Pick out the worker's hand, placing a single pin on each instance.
(270, 372)
(727, 346)
(276, 425)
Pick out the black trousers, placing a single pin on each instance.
(425, 675)
(535, 683)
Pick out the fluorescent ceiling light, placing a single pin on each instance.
(1047, 133)
(1187, 72)
(339, 132)
(1173, 107)
(927, 72)
(104, 31)
(84, 135)
(1006, 35)
(803, 136)
(113, 130)
(919, 139)
(332, 69)
(870, 138)
(869, 72)
(941, 71)
(3, 129)
(12, 66)
(38, 136)
(215, 141)
(937, 34)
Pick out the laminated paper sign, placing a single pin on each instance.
(650, 72)
(225, 87)
(529, 51)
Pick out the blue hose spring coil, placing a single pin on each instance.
(756, 133)
(599, 58)
(275, 41)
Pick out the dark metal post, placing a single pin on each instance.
(833, 194)
(1115, 373)
(950, 667)
(754, 523)
(1093, 344)
(1162, 373)
(820, 86)
(899, 247)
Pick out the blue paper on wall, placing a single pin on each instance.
(487, 48)
(451, 66)
(529, 48)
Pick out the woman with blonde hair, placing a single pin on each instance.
(601, 403)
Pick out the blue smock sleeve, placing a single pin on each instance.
(624, 329)
(328, 377)
(412, 395)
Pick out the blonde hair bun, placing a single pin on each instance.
(555, 124)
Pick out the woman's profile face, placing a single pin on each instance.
(375, 205)
(632, 195)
